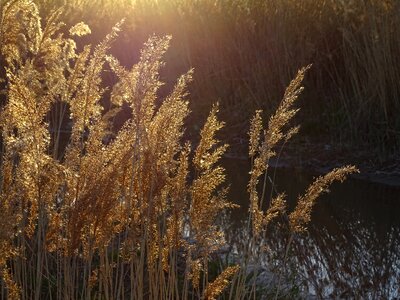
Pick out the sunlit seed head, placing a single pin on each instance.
(80, 29)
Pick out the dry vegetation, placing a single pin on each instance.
(246, 52)
(88, 210)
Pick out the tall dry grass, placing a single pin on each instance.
(245, 53)
(91, 211)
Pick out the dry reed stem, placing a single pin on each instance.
(301, 215)
(262, 152)
(215, 288)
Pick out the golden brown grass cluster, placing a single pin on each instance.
(90, 211)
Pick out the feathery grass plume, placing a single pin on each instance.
(19, 39)
(80, 29)
(206, 201)
(273, 135)
(277, 208)
(25, 135)
(204, 158)
(84, 106)
(84, 152)
(215, 288)
(256, 128)
(138, 86)
(195, 268)
(54, 54)
(169, 118)
(301, 215)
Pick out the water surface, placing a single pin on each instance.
(352, 249)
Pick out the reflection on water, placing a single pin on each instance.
(352, 249)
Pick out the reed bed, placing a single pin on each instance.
(91, 211)
(246, 52)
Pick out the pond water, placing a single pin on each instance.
(352, 249)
